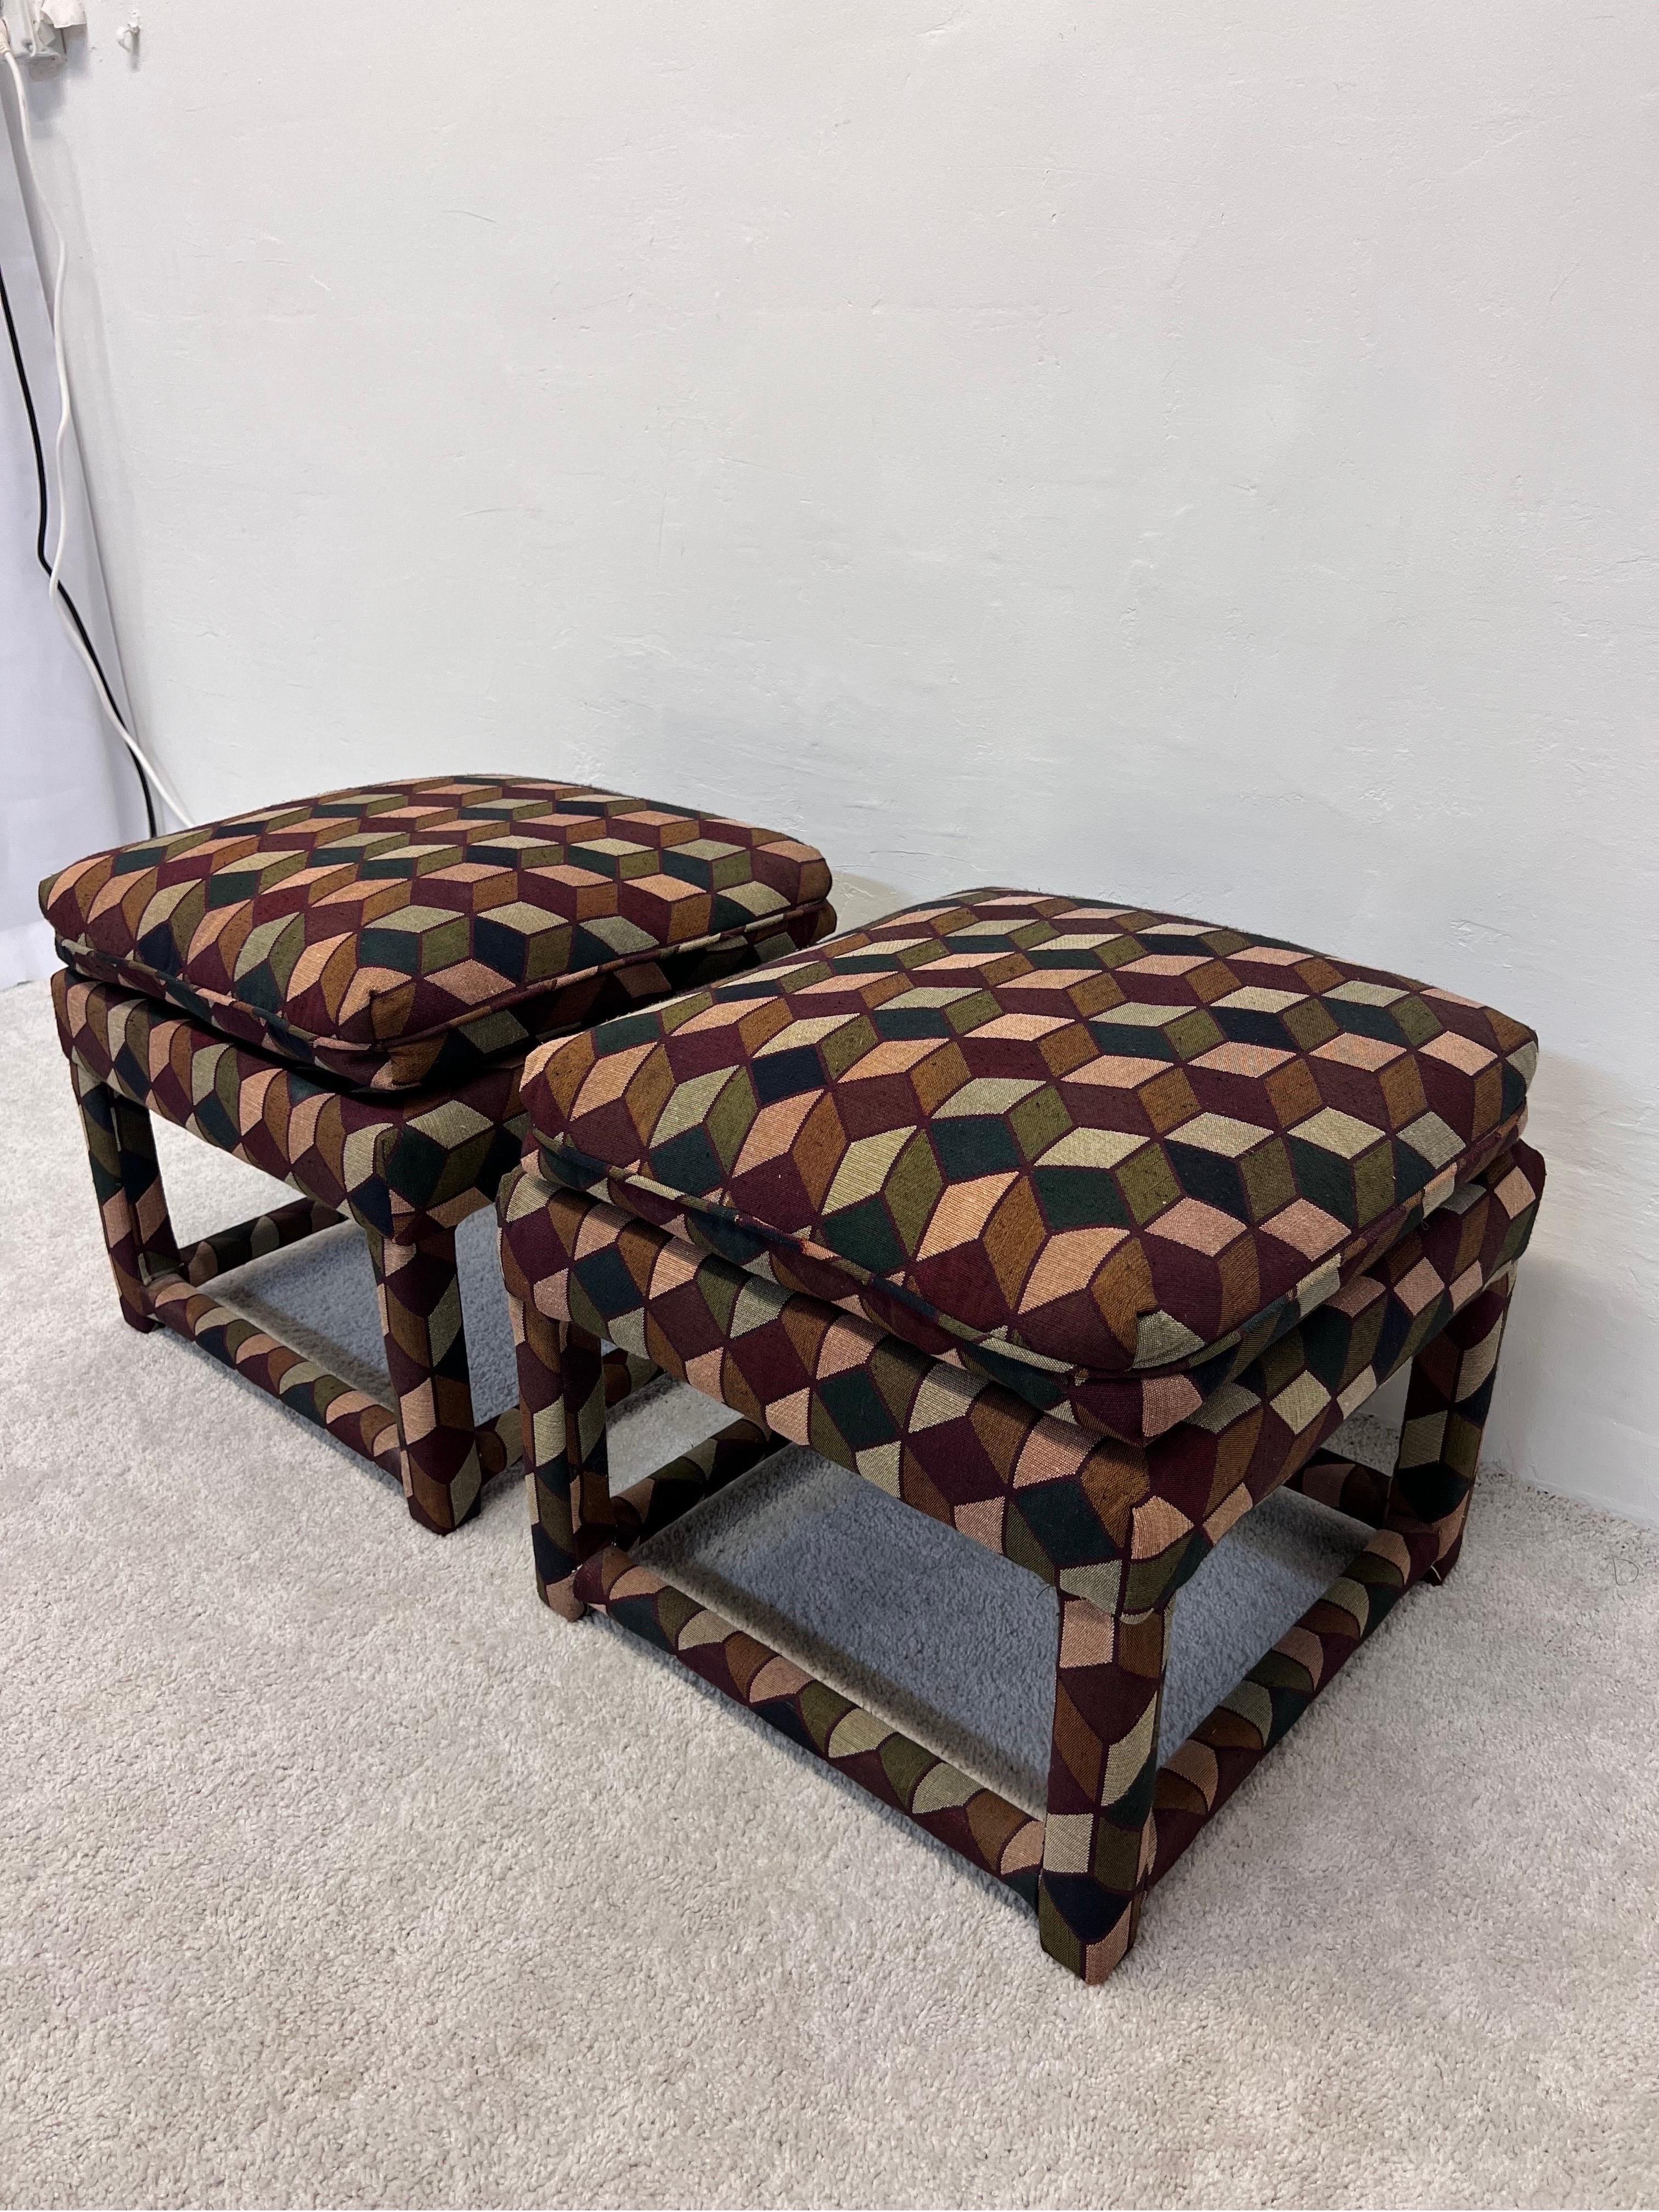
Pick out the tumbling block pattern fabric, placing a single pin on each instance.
(1103, 1155)
(404, 935)
(406, 1172)
(338, 991)
(1419, 1516)
(391, 1162)
(1116, 1530)
(570, 1386)
(1089, 1513)
(1077, 1229)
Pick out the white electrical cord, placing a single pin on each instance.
(65, 418)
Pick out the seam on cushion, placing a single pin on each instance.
(1089, 1413)
(381, 1050)
(1361, 1248)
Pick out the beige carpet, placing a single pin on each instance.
(333, 1870)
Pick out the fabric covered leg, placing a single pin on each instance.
(132, 1205)
(1098, 1839)
(1446, 1407)
(1118, 1529)
(562, 1399)
(1418, 1539)
(420, 1298)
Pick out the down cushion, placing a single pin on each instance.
(1081, 1138)
(406, 933)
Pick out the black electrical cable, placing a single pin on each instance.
(73, 612)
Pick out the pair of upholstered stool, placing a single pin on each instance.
(1080, 1229)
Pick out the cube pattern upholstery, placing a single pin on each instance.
(1121, 1525)
(911, 1199)
(406, 1169)
(1418, 1516)
(340, 991)
(1103, 1155)
(388, 1162)
(404, 936)
(1116, 1530)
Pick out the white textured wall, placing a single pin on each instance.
(1198, 455)
(63, 790)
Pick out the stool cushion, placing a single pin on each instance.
(1082, 1137)
(406, 933)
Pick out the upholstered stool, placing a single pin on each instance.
(1079, 1229)
(341, 991)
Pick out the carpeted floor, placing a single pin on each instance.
(333, 1870)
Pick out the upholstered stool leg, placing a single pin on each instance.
(1446, 1407)
(1419, 1530)
(1098, 1841)
(132, 1205)
(562, 1397)
(420, 1297)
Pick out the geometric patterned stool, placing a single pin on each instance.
(1080, 1228)
(341, 991)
